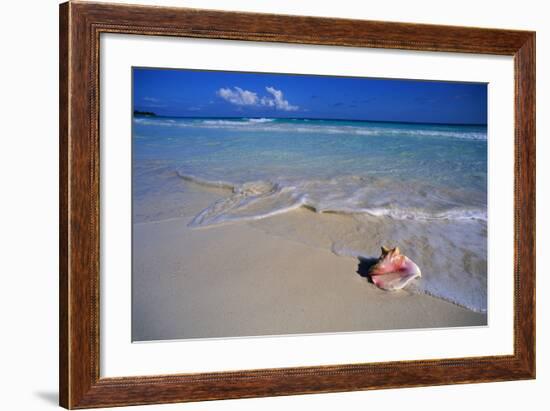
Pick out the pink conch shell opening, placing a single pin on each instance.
(393, 271)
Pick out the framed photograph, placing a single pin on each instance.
(258, 205)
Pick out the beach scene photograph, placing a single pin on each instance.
(271, 204)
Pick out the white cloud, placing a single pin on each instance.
(241, 97)
(266, 101)
(238, 96)
(278, 100)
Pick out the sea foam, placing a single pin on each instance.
(316, 126)
(345, 195)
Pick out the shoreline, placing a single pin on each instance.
(273, 276)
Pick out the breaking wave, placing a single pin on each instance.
(318, 126)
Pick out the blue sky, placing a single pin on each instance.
(193, 93)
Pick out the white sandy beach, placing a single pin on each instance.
(268, 277)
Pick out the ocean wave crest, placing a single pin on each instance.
(272, 125)
(236, 122)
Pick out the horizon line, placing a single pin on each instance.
(146, 114)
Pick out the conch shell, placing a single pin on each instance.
(393, 271)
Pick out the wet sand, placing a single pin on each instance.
(248, 279)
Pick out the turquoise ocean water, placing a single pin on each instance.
(421, 177)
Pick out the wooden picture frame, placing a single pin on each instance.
(80, 27)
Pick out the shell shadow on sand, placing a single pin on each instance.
(365, 264)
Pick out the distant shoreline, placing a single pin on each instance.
(145, 113)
